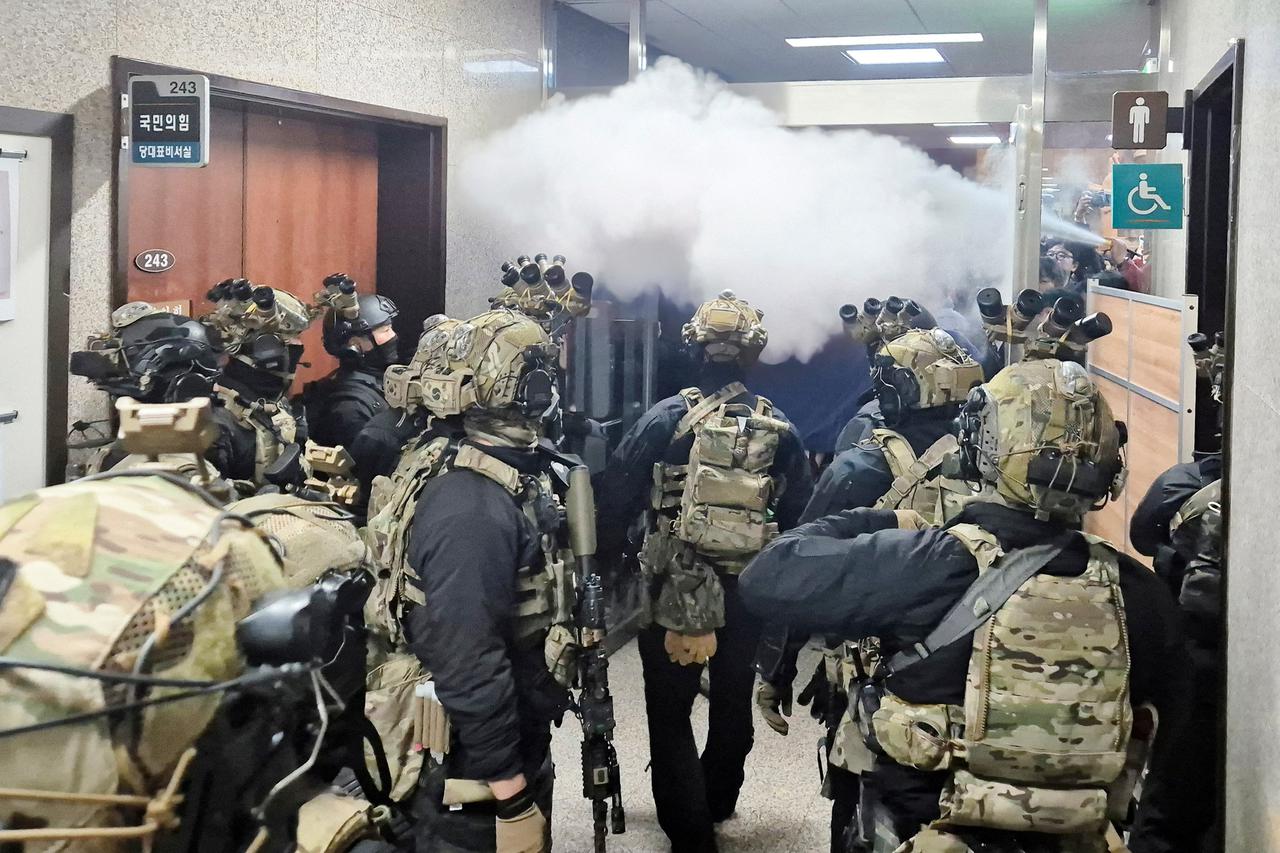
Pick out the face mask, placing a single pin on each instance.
(384, 355)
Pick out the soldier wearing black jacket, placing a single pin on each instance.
(467, 534)
(920, 378)
(697, 614)
(857, 574)
(339, 405)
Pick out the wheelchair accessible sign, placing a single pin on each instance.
(1146, 195)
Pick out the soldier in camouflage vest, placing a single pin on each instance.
(1015, 649)
(261, 327)
(921, 377)
(718, 471)
(475, 593)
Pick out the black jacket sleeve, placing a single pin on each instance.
(622, 489)
(465, 545)
(848, 573)
(1149, 526)
(856, 478)
(791, 465)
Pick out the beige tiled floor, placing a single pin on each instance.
(780, 808)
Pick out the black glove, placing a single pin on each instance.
(547, 699)
(817, 693)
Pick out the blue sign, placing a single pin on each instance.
(169, 120)
(1146, 195)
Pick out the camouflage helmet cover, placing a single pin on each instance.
(1045, 416)
(727, 328)
(98, 567)
(270, 311)
(941, 372)
(476, 363)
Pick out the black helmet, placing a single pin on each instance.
(158, 358)
(375, 310)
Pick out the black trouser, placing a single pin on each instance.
(845, 790)
(472, 828)
(692, 793)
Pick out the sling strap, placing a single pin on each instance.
(707, 406)
(979, 603)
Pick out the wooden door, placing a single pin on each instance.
(197, 214)
(310, 209)
(284, 201)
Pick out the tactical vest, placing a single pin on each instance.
(937, 498)
(273, 425)
(401, 699)
(1046, 719)
(722, 499)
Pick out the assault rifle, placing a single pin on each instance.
(601, 777)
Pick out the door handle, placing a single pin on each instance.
(8, 417)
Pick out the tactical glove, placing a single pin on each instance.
(521, 827)
(774, 703)
(909, 519)
(817, 693)
(686, 649)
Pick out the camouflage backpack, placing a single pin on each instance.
(1036, 745)
(725, 491)
(1196, 534)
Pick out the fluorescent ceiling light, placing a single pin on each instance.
(499, 66)
(895, 56)
(905, 38)
(960, 124)
(975, 140)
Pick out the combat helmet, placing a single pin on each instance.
(151, 355)
(351, 316)
(1043, 435)
(145, 668)
(260, 326)
(922, 369)
(501, 362)
(727, 329)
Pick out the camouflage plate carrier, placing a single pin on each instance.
(1196, 534)
(724, 497)
(398, 685)
(1045, 726)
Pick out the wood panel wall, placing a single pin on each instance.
(1144, 350)
(284, 201)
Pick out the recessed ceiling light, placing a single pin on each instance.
(896, 56)
(975, 140)
(960, 124)
(905, 38)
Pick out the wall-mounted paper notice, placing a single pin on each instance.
(8, 235)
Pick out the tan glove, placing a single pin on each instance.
(686, 649)
(909, 519)
(775, 706)
(524, 833)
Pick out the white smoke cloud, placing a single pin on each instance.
(674, 181)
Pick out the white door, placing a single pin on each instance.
(24, 367)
